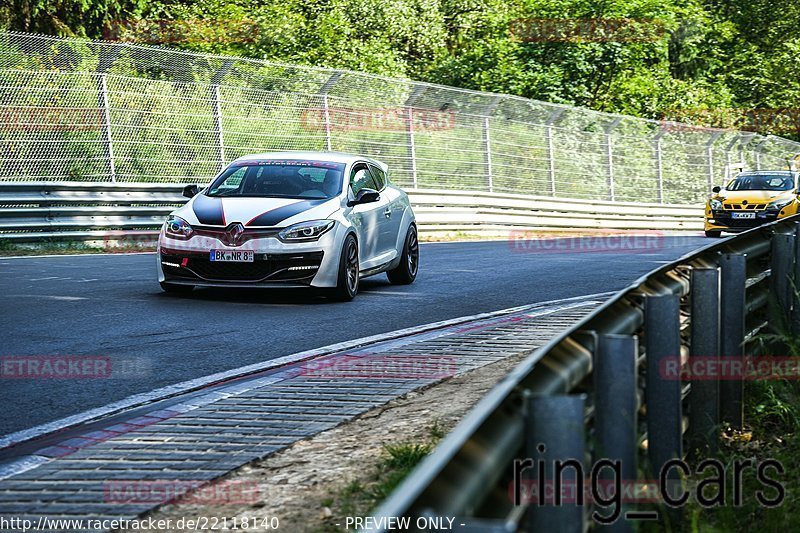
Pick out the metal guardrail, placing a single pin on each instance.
(583, 394)
(73, 109)
(35, 211)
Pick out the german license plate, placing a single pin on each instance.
(744, 215)
(232, 256)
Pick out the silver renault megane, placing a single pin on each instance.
(318, 219)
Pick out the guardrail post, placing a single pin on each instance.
(795, 285)
(663, 391)
(105, 108)
(704, 347)
(782, 264)
(732, 325)
(487, 151)
(615, 407)
(556, 437)
(610, 156)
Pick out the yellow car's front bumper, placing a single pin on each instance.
(722, 219)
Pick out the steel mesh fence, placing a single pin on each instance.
(103, 111)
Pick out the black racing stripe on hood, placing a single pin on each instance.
(208, 210)
(274, 217)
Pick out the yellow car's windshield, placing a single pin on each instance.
(761, 182)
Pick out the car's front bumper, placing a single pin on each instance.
(276, 263)
(266, 269)
(723, 220)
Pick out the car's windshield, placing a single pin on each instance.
(279, 179)
(761, 182)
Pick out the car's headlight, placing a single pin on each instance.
(777, 205)
(305, 231)
(177, 228)
(715, 204)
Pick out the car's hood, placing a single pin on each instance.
(281, 212)
(738, 197)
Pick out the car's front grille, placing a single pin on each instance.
(743, 207)
(265, 267)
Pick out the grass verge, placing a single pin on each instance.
(359, 497)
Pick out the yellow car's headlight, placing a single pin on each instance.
(715, 204)
(777, 205)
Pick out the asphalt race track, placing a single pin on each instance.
(110, 306)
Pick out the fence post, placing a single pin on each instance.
(732, 324)
(487, 150)
(659, 165)
(216, 111)
(608, 129)
(102, 97)
(326, 113)
(704, 346)
(663, 391)
(555, 431)
(757, 152)
(615, 407)
(728, 149)
(411, 146)
(551, 162)
(710, 159)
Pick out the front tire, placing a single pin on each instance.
(347, 281)
(406, 272)
(714, 234)
(172, 288)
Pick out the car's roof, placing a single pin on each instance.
(767, 172)
(334, 157)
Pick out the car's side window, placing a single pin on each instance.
(380, 177)
(361, 178)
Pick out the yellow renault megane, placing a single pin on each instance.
(750, 199)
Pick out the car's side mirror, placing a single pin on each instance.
(716, 188)
(190, 191)
(365, 196)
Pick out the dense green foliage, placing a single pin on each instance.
(711, 54)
